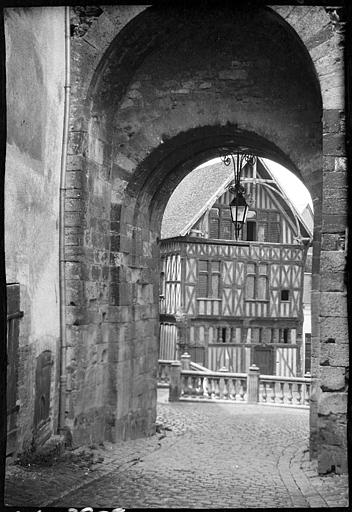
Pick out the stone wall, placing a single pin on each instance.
(156, 92)
(34, 73)
(330, 355)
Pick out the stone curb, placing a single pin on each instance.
(284, 467)
(307, 489)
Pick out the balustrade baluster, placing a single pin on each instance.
(183, 385)
(281, 395)
(212, 382)
(194, 386)
(232, 389)
(188, 386)
(207, 387)
(217, 388)
(273, 392)
(290, 395)
(199, 388)
(225, 391)
(264, 392)
(241, 391)
(299, 393)
(307, 394)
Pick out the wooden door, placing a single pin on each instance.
(13, 318)
(41, 419)
(263, 357)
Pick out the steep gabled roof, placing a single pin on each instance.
(191, 198)
(199, 191)
(288, 205)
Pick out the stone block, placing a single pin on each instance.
(105, 272)
(332, 459)
(333, 304)
(335, 200)
(91, 290)
(333, 354)
(74, 335)
(74, 179)
(74, 219)
(334, 180)
(115, 212)
(74, 163)
(73, 193)
(333, 121)
(76, 143)
(75, 315)
(332, 403)
(118, 314)
(73, 205)
(73, 270)
(332, 241)
(74, 253)
(334, 328)
(340, 164)
(332, 261)
(334, 223)
(332, 378)
(95, 272)
(73, 236)
(74, 292)
(334, 282)
(115, 241)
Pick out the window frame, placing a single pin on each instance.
(265, 221)
(209, 273)
(288, 295)
(257, 275)
(224, 214)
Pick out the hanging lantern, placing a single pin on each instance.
(238, 204)
(239, 210)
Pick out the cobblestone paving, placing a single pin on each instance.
(214, 456)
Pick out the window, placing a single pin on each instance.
(257, 281)
(285, 336)
(251, 230)
(285, 295)
(268, 226)
(220, 223)
(214, 223)
(209, 279)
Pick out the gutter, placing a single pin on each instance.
(62, 282)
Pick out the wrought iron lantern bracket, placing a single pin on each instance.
(238, 205)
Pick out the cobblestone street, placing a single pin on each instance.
(209, 456)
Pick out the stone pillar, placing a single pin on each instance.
(175, 381)
(253, 384)
(185, 361)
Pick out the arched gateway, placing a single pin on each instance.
(155, 93)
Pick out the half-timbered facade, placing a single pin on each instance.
(234, 303)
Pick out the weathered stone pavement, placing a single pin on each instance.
(214, 456)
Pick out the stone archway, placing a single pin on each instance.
(171, 86)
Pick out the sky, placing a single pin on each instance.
(293, 186)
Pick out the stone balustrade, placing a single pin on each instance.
(213, 386)
(284, 390)
(188, 383)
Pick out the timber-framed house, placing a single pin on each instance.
(234, 303)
